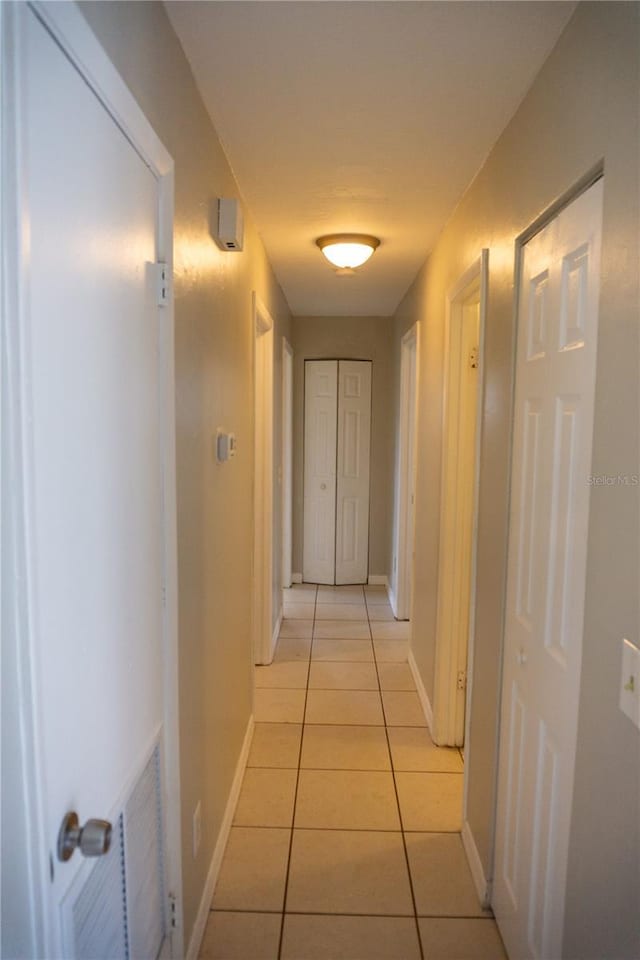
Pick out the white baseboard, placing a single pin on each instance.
(422, 693)
(216, 861)
(378, 580)
(483, 888)
(296, 578)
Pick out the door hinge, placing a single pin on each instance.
(173, 911)
(163, 284)
(473, 358)
(462, 680)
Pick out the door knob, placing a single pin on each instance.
(323, 486)
(521, 657)
(93, 840)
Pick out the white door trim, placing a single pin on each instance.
(287, 461)
(452, 648)
(405, 512)
(263, 644)
(74, 36)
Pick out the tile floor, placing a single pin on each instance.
(345, 842)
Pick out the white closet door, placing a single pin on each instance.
(549, 525)
(320, 424)
(354, 441)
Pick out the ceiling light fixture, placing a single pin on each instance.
(347, 250)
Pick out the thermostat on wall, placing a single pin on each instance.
(229, 232)
(225, 446)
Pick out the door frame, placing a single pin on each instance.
(401, 597)
(73, 35)
(287, 462)
(453, 650)
(263, 633)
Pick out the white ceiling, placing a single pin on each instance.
(367, 116)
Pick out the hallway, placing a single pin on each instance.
(374, 866)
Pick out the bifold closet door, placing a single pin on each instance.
(320, 457)
(336, 471)
(352, 486)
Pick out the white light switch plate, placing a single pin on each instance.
(630, 682)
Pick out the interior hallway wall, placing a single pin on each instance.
(214, 371)
(350, 338)
(583, 107)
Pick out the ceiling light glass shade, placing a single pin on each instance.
(347, 249)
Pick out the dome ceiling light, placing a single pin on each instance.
(347, 250)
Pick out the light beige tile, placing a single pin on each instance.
(461, 939)
(298, 611)
(329, 675)
(334, 747)
(442, 881)
(398, 630)
(391, 651)
(342, 650)
(396, 676)
(341, 611)
(266, 798)
(342, 630)
(308, 937)
(300, 629)
(275, 745)
(236, 936)
(430, 801)
(403, 709)
(299, 593)
(413, 749)
(279, 706)
(283, 673)
(360, 707)
(340, 594)
(292, 649)
(253, 871)
(376, 593)
(379, 611)
(348, 871)
(346, 800)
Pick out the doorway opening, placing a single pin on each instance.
(401, 592)
(462, 407)
(287, 461)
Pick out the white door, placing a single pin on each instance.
(94, 454)
(352, 488)
(320, 456)
(402, 578)
(287, 462)
(337, 439)
(555, 377)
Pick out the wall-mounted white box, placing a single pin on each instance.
(630, 682)
(229, 230)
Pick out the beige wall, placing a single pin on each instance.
(582, 108)
(350, 338)
(214, 343)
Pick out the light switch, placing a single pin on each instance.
(630, 682)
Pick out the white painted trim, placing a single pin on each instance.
(393, 603)
(263, 330)
(422, 693)
(482, 886)
(276, 633)
(296, 578)
(402, 577)
(287, 462)
(218, 853)
(73, 35)
(378, 580)
(452, 649)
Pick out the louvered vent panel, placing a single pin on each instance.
(98, 915)
(144, 864)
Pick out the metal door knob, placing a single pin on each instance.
(323, 486)
(93, 840)
(521, 657)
